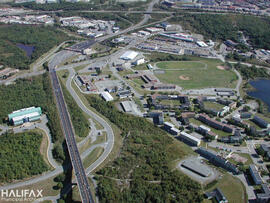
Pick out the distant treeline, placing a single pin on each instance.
(223, 27)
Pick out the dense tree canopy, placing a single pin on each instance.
(225, 27)
(20, 156)
(40, 37)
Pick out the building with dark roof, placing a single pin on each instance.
(255, 174)
(264, 197)
(217, 160)
(261, 122)
(217, 194)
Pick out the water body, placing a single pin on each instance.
(28, 49)
(262, 91)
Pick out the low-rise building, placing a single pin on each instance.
(106, 96)
(217, 160)
(124, 94)
(218, 195)
(25, 115)
(261, 122)
(255, 174)
(264, 196)
(189, 139)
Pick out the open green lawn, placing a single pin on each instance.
(196, 74)
(212, 105)
(220, 133)
(232, 188)
(170, 102)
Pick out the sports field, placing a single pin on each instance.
(199, 74)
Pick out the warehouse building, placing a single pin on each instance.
(187, 138)
(106, 96)
(25, 115)
(255, 174)
(129, 55)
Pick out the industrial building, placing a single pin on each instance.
(25, 115)
(129, 55)
(255, 174)
(189, 139)
(106, 96)
(196, 168)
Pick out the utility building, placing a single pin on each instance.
(25, 115)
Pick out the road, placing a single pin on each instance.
(110, 135)
(75, 158)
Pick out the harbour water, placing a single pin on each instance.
(262, 91)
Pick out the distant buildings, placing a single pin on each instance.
(25, 115)
(217, 160)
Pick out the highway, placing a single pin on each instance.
(75, 158)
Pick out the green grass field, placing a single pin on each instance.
(213, 105)
(196, 74)
(232, 188)
(220, 133)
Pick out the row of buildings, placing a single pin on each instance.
(28, 20)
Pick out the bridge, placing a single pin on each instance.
(75, 158)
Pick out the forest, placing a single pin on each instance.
(20, 156)
(79, 120)
(35, 91)
(40, 37)
(223, 27)
(144, 159)
(251, 72)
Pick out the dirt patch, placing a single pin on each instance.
(221, 67)
(182, 77)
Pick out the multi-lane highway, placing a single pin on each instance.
(76, 161)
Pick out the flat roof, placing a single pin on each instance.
(169, 124)
(107, 96)
(126, 106)
(30, 115)
(196, 167)
(129, 55)
(184, 134)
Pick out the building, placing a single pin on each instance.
(139, 62)
(126, 106)
(245, 115)
(158, 117)
(255, 174)
(106, 96)
(203, 129)
(264, 197)
(124, 94)
(25, 115)
(169, 127)
(189, 139)
(217, 160)
(174, 131)
(218, 195)
(231, 139)
(261, 122)
(129, 55)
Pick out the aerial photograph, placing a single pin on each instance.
(134, 101)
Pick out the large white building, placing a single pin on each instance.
(129, 55)
(106, 96)
(190, 139)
